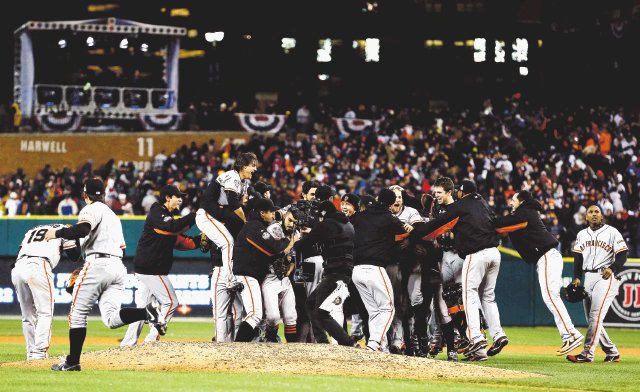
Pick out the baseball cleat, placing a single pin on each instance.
(155, 317)
(434, 349)
(473, 347)
(462, 345)
(570, 345)
(497, 346)
(580, 358)
(612, 358)
(452, 356)
(396, 350)
(63, 367)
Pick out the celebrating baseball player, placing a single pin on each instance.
(277, 291)
(220, 218)
(537, 246)
(154, 258)
(470, 219)
(254, 251)
(32, 277)
(377, 230)
(599, 251)
(103, 275)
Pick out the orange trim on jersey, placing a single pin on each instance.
(259, 248)
(384, 331)
(596, 332)
(84, 221)
(184, 243)
(441, 230)
(400, 237)
(170, 297)
(77, 289)
(46, 274)
(546, 282)
(225, 238)
(455, 309)
(163, 232)
(253, 306)
(622, 250)
(512, 228)
(466, 300)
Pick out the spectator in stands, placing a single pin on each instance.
(148, 201)
(12, 205)
(67, 205)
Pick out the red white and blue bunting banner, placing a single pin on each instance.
(60, 121)
(160, 122)
(356, 125)
(261, 123)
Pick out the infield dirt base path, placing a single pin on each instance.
(309, 359)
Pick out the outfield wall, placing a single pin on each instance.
(517, 292)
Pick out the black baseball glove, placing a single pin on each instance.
(573, 293)
(205, 243)
(281, 267)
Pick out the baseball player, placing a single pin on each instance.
(33, 279)
(599, 251)
(334, 236)
(103, 275)
(405, 278)
(470, 219)
(277, 291)
(254, 251)
(537, 246)
(220, 217)
(377, 230)
(154, 258)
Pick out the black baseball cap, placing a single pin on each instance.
(351, 199)
(94, 186)
(264, 205)
(468, 186)
(386, 197)
(324, 192)
(170, 190)
(261, 187)
(367, 200)
(326, 207)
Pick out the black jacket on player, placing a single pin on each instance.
(527, 232)
(333, 238)
(471, 221)
(254, 249)
(160, 236)
(377, 231)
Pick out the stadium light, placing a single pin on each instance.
(144, 47)
(124, 43)
(520, 51)
(499, 52)
(372, 50)
(62, 43)
(323, 77)
(214, 37)
(479, 50)
(324, 53)
(90, 41)
(524, 71)
(288, 44)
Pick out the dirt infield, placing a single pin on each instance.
(310, 359)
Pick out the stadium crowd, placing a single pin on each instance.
(566, 158)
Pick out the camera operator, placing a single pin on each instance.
(333, 237)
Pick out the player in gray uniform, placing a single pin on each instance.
(278, 298)
(600, 251)
(32, 277)
(103, 275)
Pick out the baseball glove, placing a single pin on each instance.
(573, 293)
(281, 267)
(205, 243)
(72, 280)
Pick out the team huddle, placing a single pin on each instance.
(414, 273)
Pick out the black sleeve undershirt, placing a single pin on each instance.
(79, 230)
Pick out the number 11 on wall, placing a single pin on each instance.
(141, 145)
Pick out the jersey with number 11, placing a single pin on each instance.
(34, 244)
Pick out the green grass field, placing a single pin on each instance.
(562, 375)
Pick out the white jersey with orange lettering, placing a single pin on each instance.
(599, 249)
(32, 278)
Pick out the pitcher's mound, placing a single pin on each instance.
(311, 359)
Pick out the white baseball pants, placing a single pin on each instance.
(549, 269)
(251, 300)
(376, 292)
(218, 233)
(601, 293)
(317, 276)
(479, 275)
(278, 299)
(33, 280)
(226, 306)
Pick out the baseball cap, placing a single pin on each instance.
(468, 186)
(93, 186)
(170, 190)
(326, 207)
(351, 199)
(264, 205)
(386, 197)
(261, 187)
(324, 192)
(367, 200)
